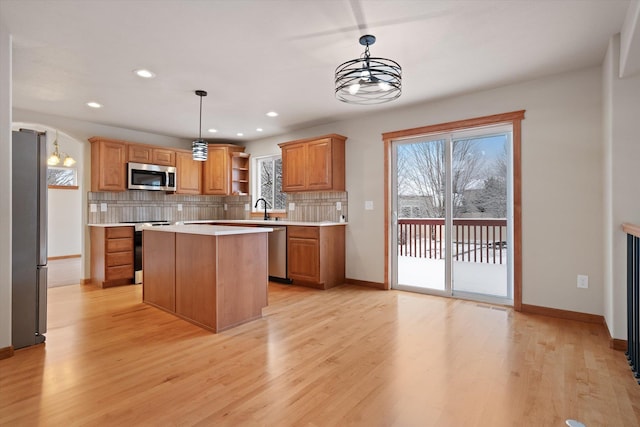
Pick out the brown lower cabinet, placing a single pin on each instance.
(111, 256)
(215, 282)
(315, 255)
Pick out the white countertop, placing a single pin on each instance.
(234, 221)
(113, 224)
(267, 223)
(209, 230)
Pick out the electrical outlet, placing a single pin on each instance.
(93, 207)
(247, 207)
(103, 207)
(339, 206)
(179, 207)
(368, 205)
(583, 281)
(292, 206)
(226, 206)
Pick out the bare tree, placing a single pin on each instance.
(422, 172)
(492, 199)
(271, 183)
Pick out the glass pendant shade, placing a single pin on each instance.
(200, 147)
(69, 161)
(53, 159)
(367, 80)
(200, 150)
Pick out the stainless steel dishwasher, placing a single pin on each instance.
(278, 255)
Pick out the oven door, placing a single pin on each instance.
(137, 255)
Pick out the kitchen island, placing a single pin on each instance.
(213, 276)
(314, 252)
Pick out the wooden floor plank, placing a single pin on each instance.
(344, 356)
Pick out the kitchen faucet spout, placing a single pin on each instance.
(266, 215)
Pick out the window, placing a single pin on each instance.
(64, 178)
(268, 182)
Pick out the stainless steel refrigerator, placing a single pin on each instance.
(29, 238)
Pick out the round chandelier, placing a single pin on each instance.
(368, 80)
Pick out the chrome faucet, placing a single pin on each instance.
(266, 215)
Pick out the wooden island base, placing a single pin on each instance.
(216, 281)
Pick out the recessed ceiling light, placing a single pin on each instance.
(272, 114)
(212, 130)
(146, 74)
(259, 129)
(240, 134)
(94, 104)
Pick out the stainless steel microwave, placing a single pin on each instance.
(142, 176)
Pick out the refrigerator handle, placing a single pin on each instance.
(42, 200)
(42, 302)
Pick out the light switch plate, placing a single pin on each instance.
(103, 207)
(583, 281)
(225, 206)
(179, 207)
(247, 207)
(292, 206)
(368, 205)
(93, 207)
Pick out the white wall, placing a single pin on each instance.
(561, 188)
(5, 186)
(622, 181)
(65, 206)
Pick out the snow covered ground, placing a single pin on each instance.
(482, 278)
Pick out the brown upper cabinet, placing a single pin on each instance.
(151, 155)
(217, 169)
(189, 179)
(314, 164)
(108, 164)
(225, 172)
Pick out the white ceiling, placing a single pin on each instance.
(254, 56)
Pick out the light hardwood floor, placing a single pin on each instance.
(344, 356)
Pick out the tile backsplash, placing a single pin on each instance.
(317, 206)
(140, 205)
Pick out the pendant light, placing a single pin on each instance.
(367, 80)
(55, 157)
(200, 147)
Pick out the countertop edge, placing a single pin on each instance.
(233, 221)
(267, 223)
(208, 230)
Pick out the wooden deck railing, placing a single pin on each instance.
(474, 240)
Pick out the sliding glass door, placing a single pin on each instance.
(452, 210)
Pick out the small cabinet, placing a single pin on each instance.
(316, 164)
(315, 255)
(239, 173)
(163, 156)
(189, 180)
(146, 154)
(112, 255)
(217, 171)
(108, 164)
